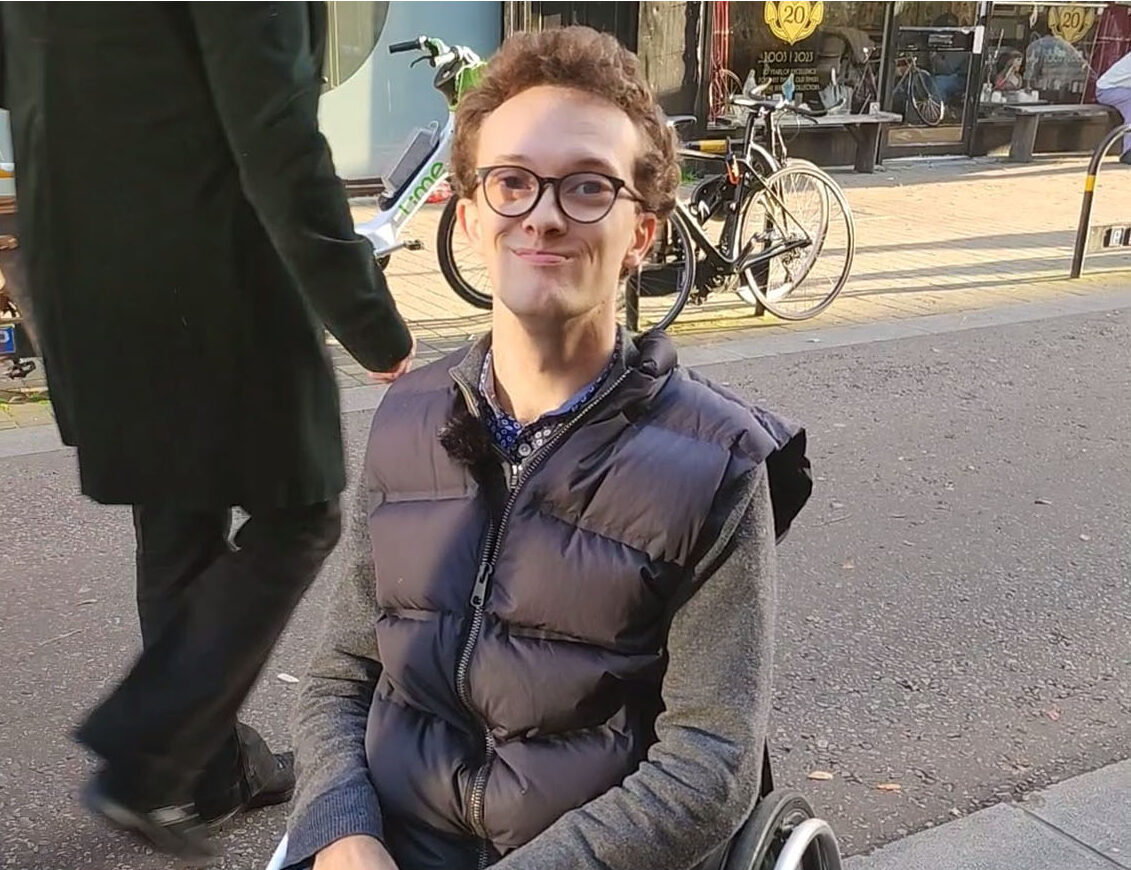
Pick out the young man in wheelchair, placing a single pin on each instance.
(554, 652)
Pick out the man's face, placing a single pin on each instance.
(544, 266)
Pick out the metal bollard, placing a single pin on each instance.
(1089, 189)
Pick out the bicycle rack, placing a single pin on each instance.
(1082, 229)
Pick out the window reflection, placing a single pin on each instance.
(1038, 53)
(352, 32)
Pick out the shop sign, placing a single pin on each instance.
(794, 20)
(1071, 22)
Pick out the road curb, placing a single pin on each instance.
(1083, 823)
(43, 438)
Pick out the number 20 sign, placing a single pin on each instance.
(793, 20)
(1071, 22)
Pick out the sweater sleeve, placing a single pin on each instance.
(700, 779)
(264, 81)
(335, 797)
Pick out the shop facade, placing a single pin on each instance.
(948, 69)
(976, 58)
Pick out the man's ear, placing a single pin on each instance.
(642, 238)
(467, 213)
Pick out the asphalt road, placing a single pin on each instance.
(956, 602)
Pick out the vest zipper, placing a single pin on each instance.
(519, 474)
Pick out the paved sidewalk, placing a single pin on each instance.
(933, 237)
(1083, 823)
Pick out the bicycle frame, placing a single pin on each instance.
(383, 230)
(740, 260)
(754, 154)
(456, 69)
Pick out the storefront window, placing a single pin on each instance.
(1038, 54)
(933, 60)
(352, 31)
(931, 72)
(796, 46)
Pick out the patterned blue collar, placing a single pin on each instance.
(517, 441)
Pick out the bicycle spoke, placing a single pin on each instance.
(461, 263)
(664, 281)
(801, 218)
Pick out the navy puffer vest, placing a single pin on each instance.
(523, 613)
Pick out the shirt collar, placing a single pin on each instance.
(488, 391)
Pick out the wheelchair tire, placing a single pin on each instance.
(761, 838)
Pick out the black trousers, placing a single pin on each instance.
(211, 611)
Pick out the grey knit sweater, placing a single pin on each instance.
(687, 798)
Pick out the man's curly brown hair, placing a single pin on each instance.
(585, 60)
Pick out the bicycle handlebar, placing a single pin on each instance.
(438, 52)
(411, 45)
(781, 104)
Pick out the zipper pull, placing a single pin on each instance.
(511, 473)
(479, 592)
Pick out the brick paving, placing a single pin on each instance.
(932, 236)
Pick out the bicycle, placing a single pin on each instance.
(918, 85)
(787, 238)
(723, 86)
(914, 82)
(425, 163)
(865, 86)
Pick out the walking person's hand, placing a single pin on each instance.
(401, 368)
(356, 852)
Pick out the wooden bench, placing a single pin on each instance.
(865, 129)
(1027, 119)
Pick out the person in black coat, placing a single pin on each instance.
(187, 242)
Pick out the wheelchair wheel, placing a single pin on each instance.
(760, 841)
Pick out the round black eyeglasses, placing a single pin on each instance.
(583, 197)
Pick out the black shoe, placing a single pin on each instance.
(1125, 157)
(266, 778)
(172, 830)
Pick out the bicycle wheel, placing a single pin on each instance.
(663, 284)
(754, 221)
(928, 106)
(801, 213)
(864, 91)
(460, 263)
(724, 85)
